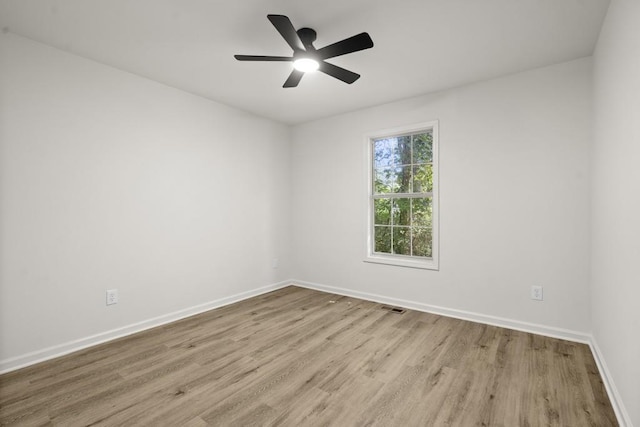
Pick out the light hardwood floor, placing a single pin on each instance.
(293, 357)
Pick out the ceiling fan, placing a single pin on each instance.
(306, 57)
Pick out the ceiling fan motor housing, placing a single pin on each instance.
(307, 36)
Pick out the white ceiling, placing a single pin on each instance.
(421, 46)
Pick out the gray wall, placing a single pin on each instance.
(109, 180)
(615, 202)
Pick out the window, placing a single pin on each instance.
(402, 226)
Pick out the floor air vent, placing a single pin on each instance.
(394, 309)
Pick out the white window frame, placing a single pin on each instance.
(403, 260)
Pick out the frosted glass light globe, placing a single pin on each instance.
(306, 64)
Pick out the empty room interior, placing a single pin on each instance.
(320, 213)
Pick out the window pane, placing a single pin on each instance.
(403, 179)
(423, 178)
(421, 212)
(403, 150)
(386, 181)
(401, 241)
(423, 148)
(421, 241)
(384, 153)
(402, 211)
(402, 172)
(382, 211)
(382, 239)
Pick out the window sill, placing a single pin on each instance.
(425, 264)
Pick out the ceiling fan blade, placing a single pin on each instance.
(294, 78)
(286, 30)
(352, 44)
(338, 72)
(262, 58)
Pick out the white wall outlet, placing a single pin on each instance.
(536, 293)
(274, 263)
(112, 296)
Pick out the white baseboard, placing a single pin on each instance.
(581, 337)
(614, 396)
(565, 334)
(38, 356)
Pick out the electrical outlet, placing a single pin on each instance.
(112, 296)
(274, 263)
(536, 293)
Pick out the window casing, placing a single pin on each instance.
(402, 205)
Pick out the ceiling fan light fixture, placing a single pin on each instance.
(306, 58)
(306, 65)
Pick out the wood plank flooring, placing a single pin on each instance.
(298, 357)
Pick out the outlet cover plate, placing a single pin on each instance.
(112, 296)
(536, 293)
